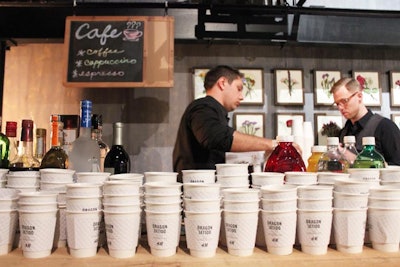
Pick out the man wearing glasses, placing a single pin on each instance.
(361, 122)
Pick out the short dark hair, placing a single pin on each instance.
(214, 74)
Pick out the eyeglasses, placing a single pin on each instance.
(344, 101)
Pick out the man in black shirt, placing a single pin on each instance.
(361, 122)
(204, 134)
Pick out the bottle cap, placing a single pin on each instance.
(86, 113)
(11, 128)
(97, 121)
(285, 138)
(332, 141)
(369, 140)
(41, 132)
(27, 131)
(349, 139)
(317, 149)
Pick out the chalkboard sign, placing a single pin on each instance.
(107, 51)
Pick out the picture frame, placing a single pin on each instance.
(281, 119)
(249, 123)
(372, 92)
(396, 119)
(322, 118)
(253, 86)
(323, 82)
(198, 82)
(394, 88)
(289, 87)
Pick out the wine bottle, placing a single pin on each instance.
(11, 132)
(117, 160)
(97, 132)
(4, 149)
(40, 143)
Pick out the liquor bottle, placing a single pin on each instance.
(97, 131)
(70, 130)
(316, 153)
(332, 160)
(11, 132)
(285, 157)
(117, 160)
(85, 152)
(350, 151)
(56, 156)
(26, 160)
(4, 149)
(369, 157)
(40, 143)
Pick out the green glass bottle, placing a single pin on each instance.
(369, 157)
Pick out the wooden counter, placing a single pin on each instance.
(61, 258)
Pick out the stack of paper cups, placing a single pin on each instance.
(232, 175)
(92, 177)
(3, 177)
(198, 176)
(390, 175)
(8, 218)
(301, 178)
(328, 178)
(132, 177)
(279, 217)
(37, 222)
(24, 181)
(164, 177)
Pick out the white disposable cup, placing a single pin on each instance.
(121, 207)
(202, 205)
(122, 229)
(349, 229)
(240, 231)
(232, 168)
(314, 230)
(385, 191)
(7, 193)
(9, 204)
(386, 183)
(315, 191)
(3, 173)
(241, 205)
(162, 177)
(25, 173)
(389, 174)
(38, 197)
(37, 232)
(163, 207)
(121, 187)
(53, 175)
(16, 181)
(350, 201)
(314, 204)
(132, 177)
(198, 176)
(364, 174)
(351, 186)
(329, 178)
(279, 191)
(279, 231)
(83, 233)
(233, 180)
(163, 198)
(383, 203)
(202, 233)
(60, 235)
(163, 188)
(3, 183)
(267, 178)
(241, 194)
(83, 204)
(384, 230)
(24, 189)
(53, 186)
(92, 177)
(84, 189)
(201, 191)
(36, 206)
(122, 199)
(301, 178)
(163, 231)
(279, 204)
(8, 222)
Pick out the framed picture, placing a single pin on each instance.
(253, 89)
(327, 124)
(396, 119)
(369, 81)
(198, 82)
(282, 126)
(289, 88)
(249, 123)
(395, 88)
(323, 82)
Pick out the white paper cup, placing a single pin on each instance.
(201, 191)
(158, 188)
(8, 204)
(384, 230)
(241, 194)
(314, 230)
(84, 204)
(315, 191)
(202, 205)
(163, 230)
(3, 173)
(35, 206)
(162, 177)
(24, 189)
(52, 186)
(280, 231)
(350, 201)
(60, 235)
(121, 207)
(241, 205)
(163, 198)
(132, 177)
(279, 191)
(84, 189)
(163, 207)
(122, 199)
(389, 174)
(122, 229)
(202, 233)
(83, 233)
(301, 178)
(351, 186)
(383, 203)
(37, 232)
(56, 175)
(314, 204)
(25, 173)
(328, 178)
(240, 230)
(364, 174)
(198, 176)
(17, 181)
(233, 180)
(8, 222)
(385, 191)
(92, 177)
(279, 204)
(122, 187)
(7, 193)
(349, 229)
(267, 178)
(232, 168)
(38, 197)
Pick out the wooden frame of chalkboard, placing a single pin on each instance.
(119, 51)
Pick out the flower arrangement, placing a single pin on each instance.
(249, 127)
(330, 129)
(327, 83)
(366, 86)
(289, 82)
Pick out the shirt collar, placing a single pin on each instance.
(363, 121)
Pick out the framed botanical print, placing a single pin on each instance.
(327, 125)
(289, 89)
(323, 82)
(369, 81)
(395, 88)
(249, 123)
(283, 122)
(253, 88)
(198, 82)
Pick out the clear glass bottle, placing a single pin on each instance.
(70, 131)
(56, 156)
(4, 149)
(26, 160)
(117, 160)
(369, 157)
(85, 152)
(40, 143)
(97, 132)
(350, 151)
(11, 132)
(285, 157)
(332, 160)
(316, 153)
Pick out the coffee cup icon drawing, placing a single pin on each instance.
(132, 34)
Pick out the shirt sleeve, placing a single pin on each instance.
(388, 136)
